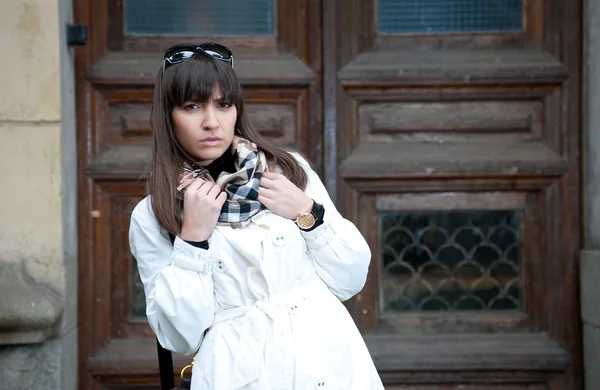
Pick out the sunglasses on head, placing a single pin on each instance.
(184, 51)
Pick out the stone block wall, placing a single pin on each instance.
(38, 262)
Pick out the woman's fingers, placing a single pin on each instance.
(270, 175)
(215, 191)
(266, 193)
(185, 181)
(194, 185)
(265, 201)
(222, 197)
(206, 187)
(186, 176)
(269, 180)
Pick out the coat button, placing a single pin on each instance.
(279, 239)
(293, 308)
(321, 384)
(220, 266)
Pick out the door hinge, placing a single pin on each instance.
(77, 34)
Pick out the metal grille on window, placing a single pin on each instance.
(448, 16)
(200, 17)
(138, 299)
(451, 261)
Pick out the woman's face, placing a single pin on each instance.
(205, 130)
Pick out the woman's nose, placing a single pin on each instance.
(209, 119)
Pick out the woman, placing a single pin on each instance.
(243, 256)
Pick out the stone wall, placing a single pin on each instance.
(590, 256)
(37, 198)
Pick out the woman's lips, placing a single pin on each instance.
(211, 141)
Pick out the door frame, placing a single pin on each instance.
(336, 110)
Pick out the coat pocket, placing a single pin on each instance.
(227, 360)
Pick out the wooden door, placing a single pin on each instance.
(447, 130)
(457, 150)
(278, 59)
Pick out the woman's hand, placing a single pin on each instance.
(282, 197)
(202, 203)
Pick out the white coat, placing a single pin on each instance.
(269, 296)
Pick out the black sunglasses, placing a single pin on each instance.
(185, 51)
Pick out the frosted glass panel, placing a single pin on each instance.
(200, 17)
(448, 16)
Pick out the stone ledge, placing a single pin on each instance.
(33, 366)
(29, 313)
(590, 288)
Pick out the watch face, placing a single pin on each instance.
(306, 221)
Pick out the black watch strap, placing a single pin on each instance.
(198, 244)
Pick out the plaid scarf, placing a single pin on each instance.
(241, 186)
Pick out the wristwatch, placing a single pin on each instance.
(308, 219)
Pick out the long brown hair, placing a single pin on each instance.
(194, 81)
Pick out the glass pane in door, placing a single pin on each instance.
(451, 261)
(200, 17)
(448, 16)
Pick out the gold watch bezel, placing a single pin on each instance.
(306, 220)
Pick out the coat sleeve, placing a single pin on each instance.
(340, 253)
(177, 282)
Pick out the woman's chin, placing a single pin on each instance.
(209, 156)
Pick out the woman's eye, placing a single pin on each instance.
(191, 106)
(224, 105)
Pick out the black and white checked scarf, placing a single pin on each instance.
(241, 186)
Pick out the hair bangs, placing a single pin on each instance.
(194, 80)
